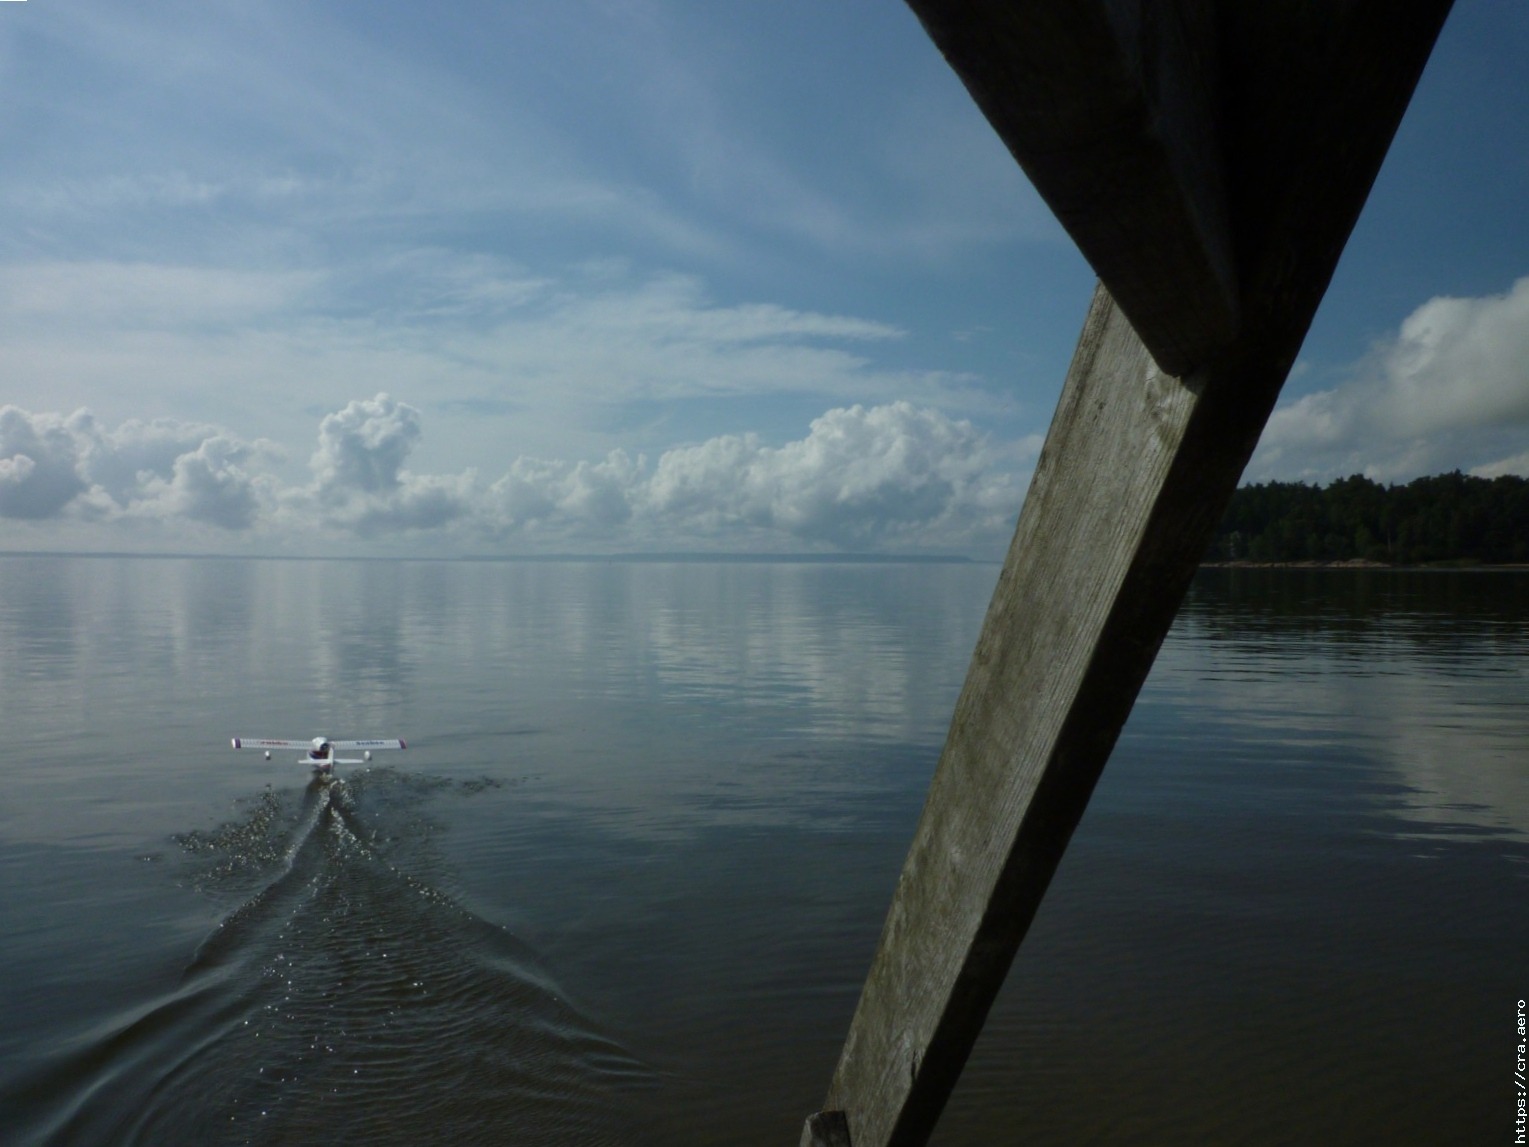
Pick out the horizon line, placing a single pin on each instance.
(640, 557)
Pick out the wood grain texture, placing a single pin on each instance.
(1050, 684)
(1110, 106)
(1138, 467)
(825, 1129)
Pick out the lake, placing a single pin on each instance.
(624, 883)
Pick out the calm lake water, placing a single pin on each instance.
(624, 884)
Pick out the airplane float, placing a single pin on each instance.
(320, 752)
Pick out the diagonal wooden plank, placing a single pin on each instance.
(1137, 468)
(1093, 577)
(1110, 106)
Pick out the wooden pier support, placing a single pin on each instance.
(1253, 133)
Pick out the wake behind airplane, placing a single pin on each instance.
(320, 751)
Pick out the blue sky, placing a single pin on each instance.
(550, 277)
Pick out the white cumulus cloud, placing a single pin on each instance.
(363, 447)
(40, 463)
(862, 476)
(580, 498)
(893, 477)
(359, 474)
(208, 485)
(54, 467)
(1450, 390)
(122, 462)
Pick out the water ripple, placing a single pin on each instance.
(345, 999)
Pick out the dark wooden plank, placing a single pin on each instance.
(1137, 468)
(1110, 106)
(1312, 95)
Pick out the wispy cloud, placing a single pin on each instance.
(111, 297)
(469, 333)
(639, 123)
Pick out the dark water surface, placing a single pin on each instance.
(625, 883)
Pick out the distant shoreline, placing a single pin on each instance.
(747, 559)
(632, 559)
(1366, 564)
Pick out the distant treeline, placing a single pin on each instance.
(1447, 518)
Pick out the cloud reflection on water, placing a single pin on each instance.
(1425, 676)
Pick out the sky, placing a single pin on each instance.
(561, 276)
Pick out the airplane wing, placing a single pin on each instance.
(266, 743)
(395, 744)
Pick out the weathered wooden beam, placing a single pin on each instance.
(826, 1129)
(1138, 467)
(1093, 577)
(1111, 108)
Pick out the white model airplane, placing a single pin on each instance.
(320, 752)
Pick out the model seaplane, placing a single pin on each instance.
(320, 752)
